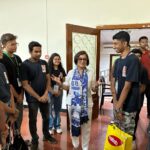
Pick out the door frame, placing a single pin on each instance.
(94, 31)
(70, 28)
(123, 26)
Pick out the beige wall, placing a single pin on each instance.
(27, 19)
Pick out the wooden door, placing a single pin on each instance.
(88, 39)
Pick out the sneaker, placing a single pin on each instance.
(50, 139)
(51, 131)
(59, 130)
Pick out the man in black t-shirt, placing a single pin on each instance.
(36, 82)
(145, 60)
(125, 84)
(143, 82)
(12, 63)
(7, 106)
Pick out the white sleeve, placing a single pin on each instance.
(92, 78)
(92, 81)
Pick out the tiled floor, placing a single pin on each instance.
(98, 132)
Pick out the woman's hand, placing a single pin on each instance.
(99, 82)
(95, 85)
(56, 79)
(56, 93)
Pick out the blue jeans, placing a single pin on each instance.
(54, 109)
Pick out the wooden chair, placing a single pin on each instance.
(105, 91)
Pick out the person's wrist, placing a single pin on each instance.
(38, 97)
(61, 86)
(114, 101)
(96, 88)
(118, 110)
(17, 97)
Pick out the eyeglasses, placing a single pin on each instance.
(80, 59)
(13, 43)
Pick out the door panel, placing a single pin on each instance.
(88, 39)
(88, 43)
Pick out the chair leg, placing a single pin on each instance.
(101, 104)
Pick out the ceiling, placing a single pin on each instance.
(106, 35)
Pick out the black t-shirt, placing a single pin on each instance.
(13, 65)
(60, 72)
(35, 73)
(128, 69)
(143, 75)
(4, 85)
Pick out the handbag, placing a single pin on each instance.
(116, 139)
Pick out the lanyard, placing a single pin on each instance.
(16, 64)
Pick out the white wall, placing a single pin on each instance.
(27, 19)
(105, 58)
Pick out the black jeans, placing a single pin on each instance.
(33, 110)
(19, 106)
(147, 93)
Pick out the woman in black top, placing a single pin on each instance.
(56, 93)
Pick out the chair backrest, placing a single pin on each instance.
(104, 85)
(102, 80)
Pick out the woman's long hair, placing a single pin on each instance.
(50, 62)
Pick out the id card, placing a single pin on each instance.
(43, 68)
(6, 78)
(19, 83)
(56, 88)
(124, 71)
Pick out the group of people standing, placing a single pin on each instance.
(32, 77)
(130, 82)
(43, 84)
